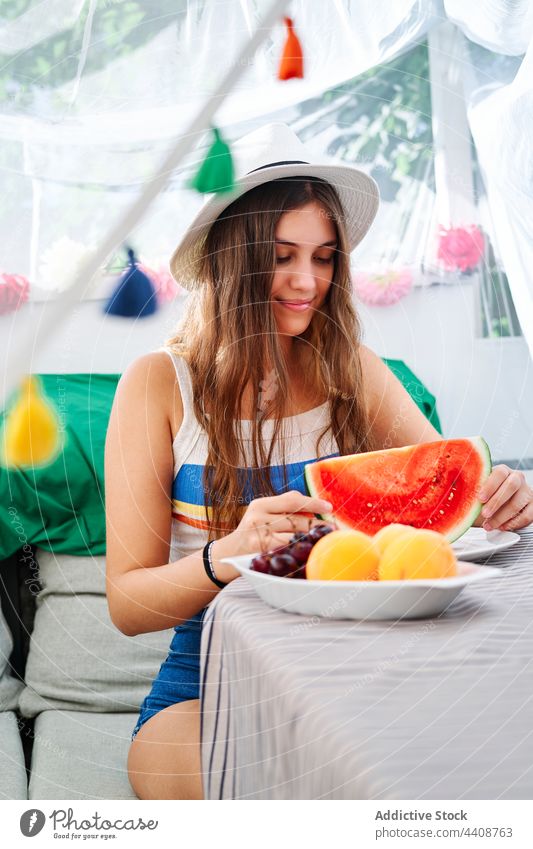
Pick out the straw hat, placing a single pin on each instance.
(270, 152)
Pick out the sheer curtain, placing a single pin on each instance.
(93, 93)
(500, 109)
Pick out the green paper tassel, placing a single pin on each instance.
(216, 173)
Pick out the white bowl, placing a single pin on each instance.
(410, 599)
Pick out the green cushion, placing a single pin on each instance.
(418, 392)
(60, 507)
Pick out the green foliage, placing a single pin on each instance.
(499, 317)
(118, 28)
(497, 310)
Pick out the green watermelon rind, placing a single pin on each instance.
(458, 530)
(470, 518)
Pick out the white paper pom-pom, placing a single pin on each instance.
(61, 263)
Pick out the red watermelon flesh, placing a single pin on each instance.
(432, 485)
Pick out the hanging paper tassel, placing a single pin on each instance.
(134, 296)
(216, 173)
(291, 62)
(31, 431)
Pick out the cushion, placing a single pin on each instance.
(63, 574)
(78, 659)
(13, 784)
(61, 505)
(9, 687)
(79, 755)
(424, 400)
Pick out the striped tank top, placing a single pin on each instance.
(299, 436)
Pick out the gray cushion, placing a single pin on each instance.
(78, 659)
(9, 687)
(68, 575)
(13, 783)
(79, 755)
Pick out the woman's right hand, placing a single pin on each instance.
(267, 523)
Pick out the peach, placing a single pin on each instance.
(389, 533)
(422, 554)
(343, 556)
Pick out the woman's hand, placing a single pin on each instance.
(267, 523)
(507, 500)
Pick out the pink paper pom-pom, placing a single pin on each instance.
(460, 248)
(165, 285)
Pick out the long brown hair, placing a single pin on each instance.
(229, 333)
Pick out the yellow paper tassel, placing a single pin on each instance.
(292, 61)
(31, 435)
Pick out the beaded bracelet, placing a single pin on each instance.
(208, 565)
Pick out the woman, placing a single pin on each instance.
(266, 373)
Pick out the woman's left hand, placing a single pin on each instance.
(507, 500)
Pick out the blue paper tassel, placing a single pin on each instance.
(134, 296)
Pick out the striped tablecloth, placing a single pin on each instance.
(300, 707)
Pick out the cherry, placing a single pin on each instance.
(289, 560)
(283, 549)
(318, 532)
(282, 564)
(298, 536)
(298, 573)
(261, 563)
(301, 550)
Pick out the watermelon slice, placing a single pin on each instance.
(432, 485)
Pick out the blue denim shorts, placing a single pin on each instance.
(178, 679)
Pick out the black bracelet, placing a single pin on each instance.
(208, 565)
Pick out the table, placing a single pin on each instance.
(298, 707)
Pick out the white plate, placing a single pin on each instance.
(413, 599)
(477, 543)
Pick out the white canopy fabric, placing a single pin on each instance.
(500, 112)
(504, 26)
(148, 94)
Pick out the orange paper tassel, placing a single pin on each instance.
(291, 63)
